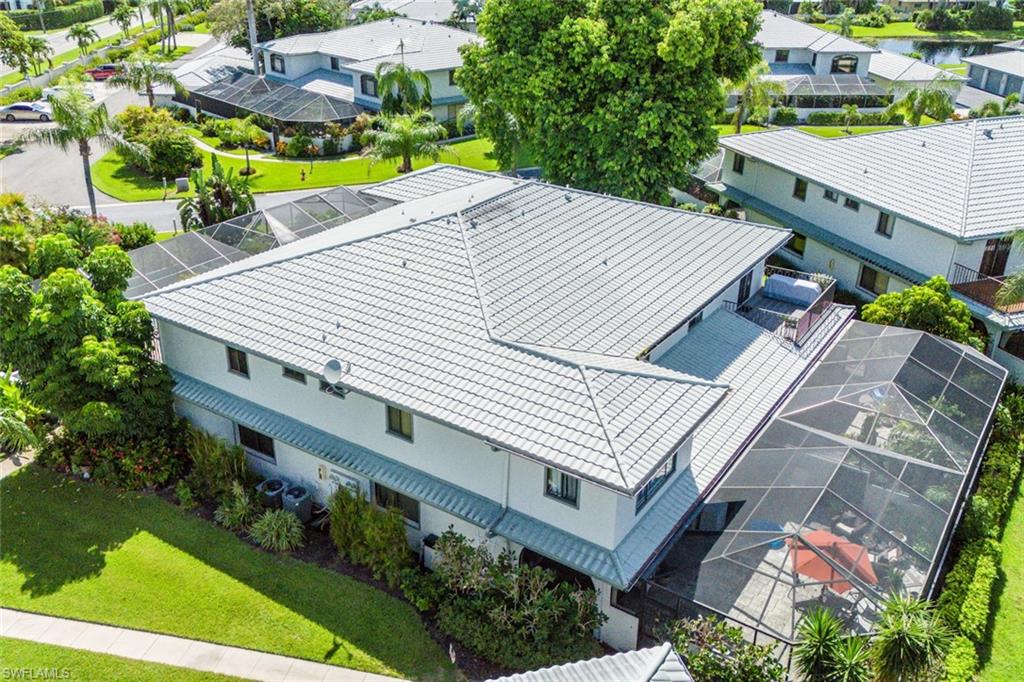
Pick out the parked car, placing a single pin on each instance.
(26, 111)
(102, 72)
(56, 89)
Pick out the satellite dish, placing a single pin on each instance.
(334, 369)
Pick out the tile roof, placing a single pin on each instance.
(422, 45)
(217, 64)
(472, 323)
(431, 180)
(893, 66)
(1010, 61)
(654, 664)
(780, 31)
(421, 10)
(954, 177)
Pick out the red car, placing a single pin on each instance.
(102, 72)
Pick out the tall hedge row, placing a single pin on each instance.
(58, 17)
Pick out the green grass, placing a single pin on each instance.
(84, 551)
(176, 53)
(164, 236)
(202, 27)
(955, 68)
(840, 131)
(906, 29)
(725, 129)
(112, 177)
(1003, 657)
(18, 654)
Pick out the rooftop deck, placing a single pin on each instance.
(780, 313)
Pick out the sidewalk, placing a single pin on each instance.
(185, 653)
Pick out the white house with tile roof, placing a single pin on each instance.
(652, 664)
(999, 73)
(886, 210)
(341, 64)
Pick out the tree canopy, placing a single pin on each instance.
(929, 307)
(275, 18)
(613, 96)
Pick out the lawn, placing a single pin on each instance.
(730, 129)
(955, 68)
(112, 177)
(840, 131)
(906, 29)
(1003, 659)
(84, 551)
(18, 654)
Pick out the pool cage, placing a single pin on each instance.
(244, 93)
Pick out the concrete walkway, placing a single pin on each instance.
(11, 463)
(185, 653)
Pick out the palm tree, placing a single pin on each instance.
(404, 136)
(819, 636)
(992, 108)
(242, 132)
(919, 102)
(402, 90)
(844, 23)
(80, 120)
(1012, 289)
(123, 15)
(142, 73)
(84, 35)
(853, 661)
(850, 115)
(15, 415)
(757, 94)
(39, 51)
(219, 197)
(910, 640)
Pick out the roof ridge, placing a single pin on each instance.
(473, 275)
(604, 427)
(967, 177)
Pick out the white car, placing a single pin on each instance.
(57, 89)
(26, 111)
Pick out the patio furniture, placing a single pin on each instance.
(800, 292)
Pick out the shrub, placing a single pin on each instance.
(834, 118)
(975, 609)
(134, 235)
(515, 615)
(57, 16)
(216, 465)
(961, 661)
(331, 147)
(998, 479)
(129, 462)
(53, 251)
(278, 530)
(716, 651)
(186, 498)
(23, 94)
(990, 17)
(236, 509)
(712, 209)
(368, 536)
(784, 116)
(941, 19)
(182, 114)
(170, 151)
(298, 146)
(15, 245)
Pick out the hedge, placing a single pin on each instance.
(961, 661)
(58, 17)
(835, 118)
(975, 609)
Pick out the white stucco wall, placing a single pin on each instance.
(621, 629)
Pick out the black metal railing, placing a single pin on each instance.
(981, 288)
(797, 326)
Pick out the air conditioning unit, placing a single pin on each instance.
(427, 552)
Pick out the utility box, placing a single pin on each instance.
(427, 551)
(269, 492)
(298, 501)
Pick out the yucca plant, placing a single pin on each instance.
(853, 661)
(819, 635)
(910, 640)
(278, 530)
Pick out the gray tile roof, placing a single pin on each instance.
(781, 32)
(1010, 61)
(654, 664)
(422, 45)
(430, 320)
(421, 10)
(955, 178)
(429, 181)
(893, 66)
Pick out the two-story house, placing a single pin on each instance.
(889, 209)
(561, 374)
(341, 64)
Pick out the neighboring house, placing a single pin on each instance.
(6, 5)
(999, 73)
(886, 210)
(898, 73)
(1012, 45)
(341, 64)
(436, 11)
(561, 374)
(654, 664)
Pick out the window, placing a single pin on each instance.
(561, 486)
(884, 224)
(451, 77)
(388, 498)
(293, 374)
(257, 442)
(797, 244)
(336, 391)
(844, 63)
(831, 196)
(652, 486)
(277, 63)
(399, 423)
(781, 56)
(238, 362)
(851, 204)
(738, 161)
(800, 189)
(1012, 343)
(695, 320)
(872, 280)
(335, 64)
(368, 85)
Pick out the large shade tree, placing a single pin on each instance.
(80, 121)
(617, 96)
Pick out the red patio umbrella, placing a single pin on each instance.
(848, 555)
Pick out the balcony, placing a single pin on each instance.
(789, 312)
(980, 288)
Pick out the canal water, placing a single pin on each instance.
(936, 51)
